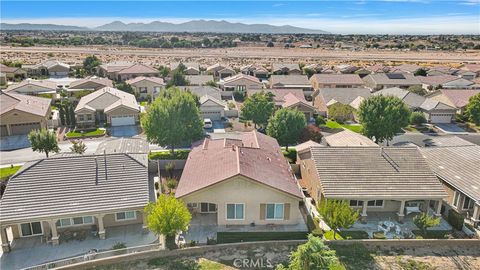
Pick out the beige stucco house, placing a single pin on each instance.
(123, 71)
(336, 81)
(240, 82)
(146, 87)
(108, 105)
(56, 198)
(33, 87)
(191, 68)
(51, 68)
(244, 181)
(19, 114)
(12, 73)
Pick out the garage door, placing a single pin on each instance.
(3, 130)
(20, 129)
(123, 121)
(441, 118)
(212, 115)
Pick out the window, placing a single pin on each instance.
(142, 89)
(192, 205)
(467, 203)
(274, 211)
(89, 117)
(355, 203)
(375, 203)
(456, 199)
(76, 221)
(208, 207)
(129, 215)
(29, 229)
(235, 211)
(80, 117)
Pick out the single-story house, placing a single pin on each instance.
(406, 68)
(348, 138)
(245, 181)
(255, 71)
(442, 70)
(374, 179)
(33, 87)
(20, 114)
(380, 81)
(191, 68)
(240, 82)
(211, 104)
(291, 82)
(286, 69)
(345, 68)
(467, 75)
(51, 68)
(434, 110)
(378, 68)
(146, 87)
(458, 170)
(110, 70)
(220, 71)
(472, 67)
(108, 105)
(13, 73)
(323, 98)
(54, 197)
(457, 98)
(123, 71)
(198, 80)
(91, 83)
(336, 81)
(444, 81)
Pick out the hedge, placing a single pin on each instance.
(432, 234)
(234, 237)
(455, 219)
(167, 155)
(290, 155)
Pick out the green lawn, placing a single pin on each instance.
(5, 173)
(166, 155)
(86, 133)
(333, 125)
(143, 103)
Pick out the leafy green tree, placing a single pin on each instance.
(258, 108)
(270, 44)
(472, 110)
(173, 119)
(124, 87)
(66, 107)
(417, 118)
(383, 116)
(178, 79)
(417, 89)
(167, 216)
(313, 255)
(73, 120)
(309, 72)
(211, 83)
(78, 147)
(420, 72)
(90, 64)
(61, 112)
(320, 120)
(43, 141)
(424, 221)
(340, 112)
(286, 125)
(164, 71)
(337, 214)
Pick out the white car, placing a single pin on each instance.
(207, 123)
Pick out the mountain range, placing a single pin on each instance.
(210, 26)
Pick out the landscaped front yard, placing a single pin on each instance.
(85, 133)
(5, 173)
(333, 125)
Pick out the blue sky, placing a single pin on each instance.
(352, 16)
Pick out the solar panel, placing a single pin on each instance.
(395, 76)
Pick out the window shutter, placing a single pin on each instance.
(262, 211)
(286, 211)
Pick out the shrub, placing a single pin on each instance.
(455, 219)
(192, 243)
(290, 155)
(119, 245)
(320, 120)
(417, 118)
(239, 96)
(311, 132)
(169, 168)
(379, 235)
(171, 184)
(167, 155)
(211, 241)
(340, 112)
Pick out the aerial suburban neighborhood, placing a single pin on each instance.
(217, 145)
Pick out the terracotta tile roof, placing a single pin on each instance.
(29, 104)
(255, 156)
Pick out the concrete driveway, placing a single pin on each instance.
(451, 128)
(8, 143)
(124, 131)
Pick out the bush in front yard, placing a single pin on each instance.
(455, 219)
(417, 118)
(167, 155)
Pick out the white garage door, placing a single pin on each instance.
(123, 121)
(441, 118)
(212, 115)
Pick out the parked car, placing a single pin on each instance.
(207, 123)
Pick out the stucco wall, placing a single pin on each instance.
(18, 117)
(241, 190)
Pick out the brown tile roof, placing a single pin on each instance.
(337, 78)
(241, 76)
(107, 99)
(139, 69)
(256, 156)
(348, 138)
(459, 97)
(437, 80)
(29, 104)
(104, 82)
(151, 79)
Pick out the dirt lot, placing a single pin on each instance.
(352, 257)
(234, 56)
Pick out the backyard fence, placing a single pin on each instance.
(90, 256)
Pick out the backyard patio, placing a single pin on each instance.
(388, 224)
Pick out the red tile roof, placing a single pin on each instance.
(255, 156)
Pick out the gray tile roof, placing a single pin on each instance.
(199, 79)
(373, 172)
(289, 80)
(66, 186)
(343, 95)
(201, 91)
(458, 166)
(424, 140)
(394, 79)
(348, 138)
(413, 100)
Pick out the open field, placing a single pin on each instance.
(236, 57)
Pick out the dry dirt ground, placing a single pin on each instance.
(234, 56)
(352, 257)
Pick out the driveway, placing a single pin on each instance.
(8, 143)
(124, 131)
(451, 128)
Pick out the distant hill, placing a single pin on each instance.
(30, 26)
(157, 26)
